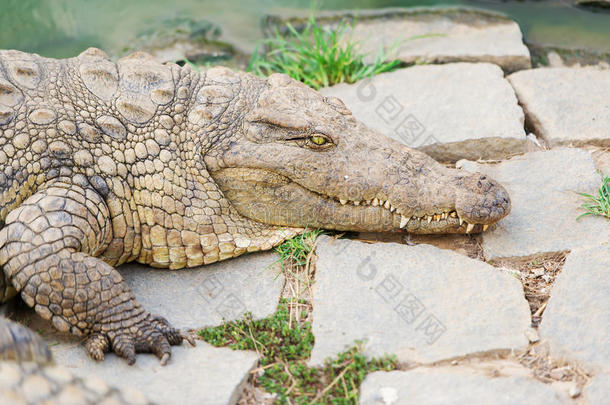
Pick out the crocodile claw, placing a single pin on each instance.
(151, 335)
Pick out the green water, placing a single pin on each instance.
(62, 28)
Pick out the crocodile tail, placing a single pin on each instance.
(18, 343)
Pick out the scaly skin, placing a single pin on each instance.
(28, 376)
(106, 163)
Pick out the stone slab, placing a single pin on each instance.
(543, 188)
(430, 35)
(204, 296)
(195, 375)
(421, 303)
(566, 105)
(576, 322)
(444, 38)
(597, 390)
(452, 111)
(440, 386)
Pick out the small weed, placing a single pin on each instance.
(284, 348)
(318, 56)
(598, 205)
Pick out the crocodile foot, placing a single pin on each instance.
(153, 334)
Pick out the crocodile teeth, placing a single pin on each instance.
(403, 221)
(469, 228)
(375, 202)
(392, 209)
(461, 221)
(387, 205)
(485, 227)
(444, 215)
(356, 202)
(343, 202)
(366, 202)
(429, 219)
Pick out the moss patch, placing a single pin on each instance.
(284, 348)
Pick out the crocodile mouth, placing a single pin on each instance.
(275, 199)
(440, 218)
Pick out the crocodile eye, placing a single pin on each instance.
(318, 140)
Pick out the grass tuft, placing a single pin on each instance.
(296, 251)
(598, 205)
(317, 56)
(284, 348)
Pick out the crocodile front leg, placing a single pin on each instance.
(48, 248)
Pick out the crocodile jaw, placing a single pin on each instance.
(274, 199)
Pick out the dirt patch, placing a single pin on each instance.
(467, 245)
(537, 274)
(254, 394)
(548, 369)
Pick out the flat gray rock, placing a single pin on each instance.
(453, 111)
(204, 296)
(576, 322)
(566, 105)
(195, 375)
(543, 188)
(419, 302)
(450, 36)
(440, 386)
(597, 391)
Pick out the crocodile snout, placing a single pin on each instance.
(481, 200)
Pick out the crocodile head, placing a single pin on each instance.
(299, 159)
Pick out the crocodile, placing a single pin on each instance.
(104, 163)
